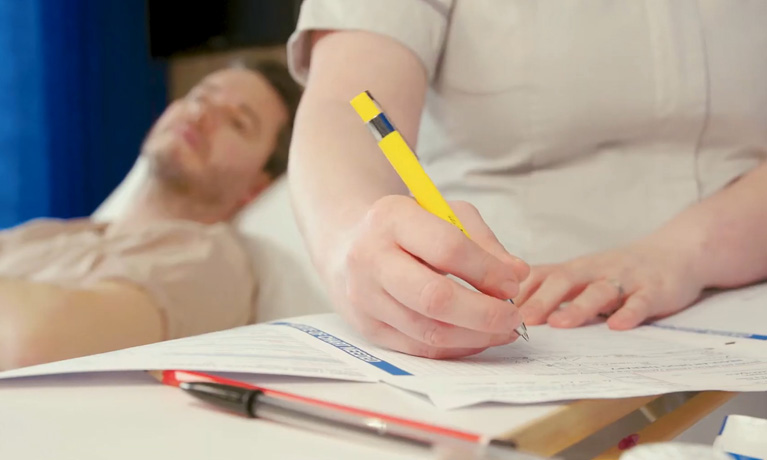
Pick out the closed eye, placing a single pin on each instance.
(238, 124)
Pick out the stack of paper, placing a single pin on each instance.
(557, 364)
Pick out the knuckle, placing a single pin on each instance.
(357, 254)
(641, 300)
(436, 297)
(433, 334)
(561, 277)
(521, 269)
(464, 207)
(379, 213)
(606, 289)
(383, 209)
(491, 270)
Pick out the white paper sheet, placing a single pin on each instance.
(600, 365)
(740, 312)
(557, 364)
(587, 362)
(258, 349)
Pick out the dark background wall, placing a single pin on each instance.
(81, 81)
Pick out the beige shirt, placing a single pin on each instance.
(198, 275)
(575, 126)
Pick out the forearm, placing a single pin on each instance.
(725, 235)
(42, 322)
(336, 170)
(335, 173)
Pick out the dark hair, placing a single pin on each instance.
(290, 92)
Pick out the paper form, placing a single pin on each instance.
(587, 362)
(557, 364)
(598, 374)
(258, 349)
(584, 349)
(745, 314)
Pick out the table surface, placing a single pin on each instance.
(129, 415)
(126, 415)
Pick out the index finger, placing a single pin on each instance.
(436, 296)
(444, 247)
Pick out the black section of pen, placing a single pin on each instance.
(250, 403)
(229, 397)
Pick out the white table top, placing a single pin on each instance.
(130, 415)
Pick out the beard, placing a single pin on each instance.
(175, 178)
(169, 172)
(166, 166)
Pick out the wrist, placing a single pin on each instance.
(685, 247)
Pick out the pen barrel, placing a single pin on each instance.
(338, 425)
(407, 166)
(339, 422)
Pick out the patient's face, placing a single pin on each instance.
(212, 144)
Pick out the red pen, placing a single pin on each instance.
(292, 409)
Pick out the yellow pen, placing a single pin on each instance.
(406, 164)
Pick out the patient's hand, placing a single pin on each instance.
(42, 322)
(631, 284)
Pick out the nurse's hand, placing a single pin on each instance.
(648, 279)
(390, 283)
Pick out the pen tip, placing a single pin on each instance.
(522, 331)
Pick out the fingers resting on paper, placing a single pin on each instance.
(628, 286)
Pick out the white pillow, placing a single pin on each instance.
(288, 283)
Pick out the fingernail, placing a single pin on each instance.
(562, 320)
(509, 288)
(509, 259)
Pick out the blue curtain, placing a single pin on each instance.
(78, 91)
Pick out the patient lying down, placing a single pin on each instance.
(171, 265)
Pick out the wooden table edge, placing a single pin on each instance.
(571, 423)
(672, 424)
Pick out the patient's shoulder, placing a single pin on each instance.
(176, 244)
(175, 232)
(46, 228)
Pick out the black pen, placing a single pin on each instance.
(330, 418)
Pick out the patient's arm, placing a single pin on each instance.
(43, 322)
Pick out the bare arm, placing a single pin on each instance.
(336, 171)
(43, 322)
(726, 234)
(720, 242)
(382, 256)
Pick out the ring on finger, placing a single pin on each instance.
(620, 298)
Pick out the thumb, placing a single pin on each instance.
(481, 234)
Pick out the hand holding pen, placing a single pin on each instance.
(392, 282)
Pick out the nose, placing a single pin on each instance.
(204, 112)
(208, 112)
(199, 112)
